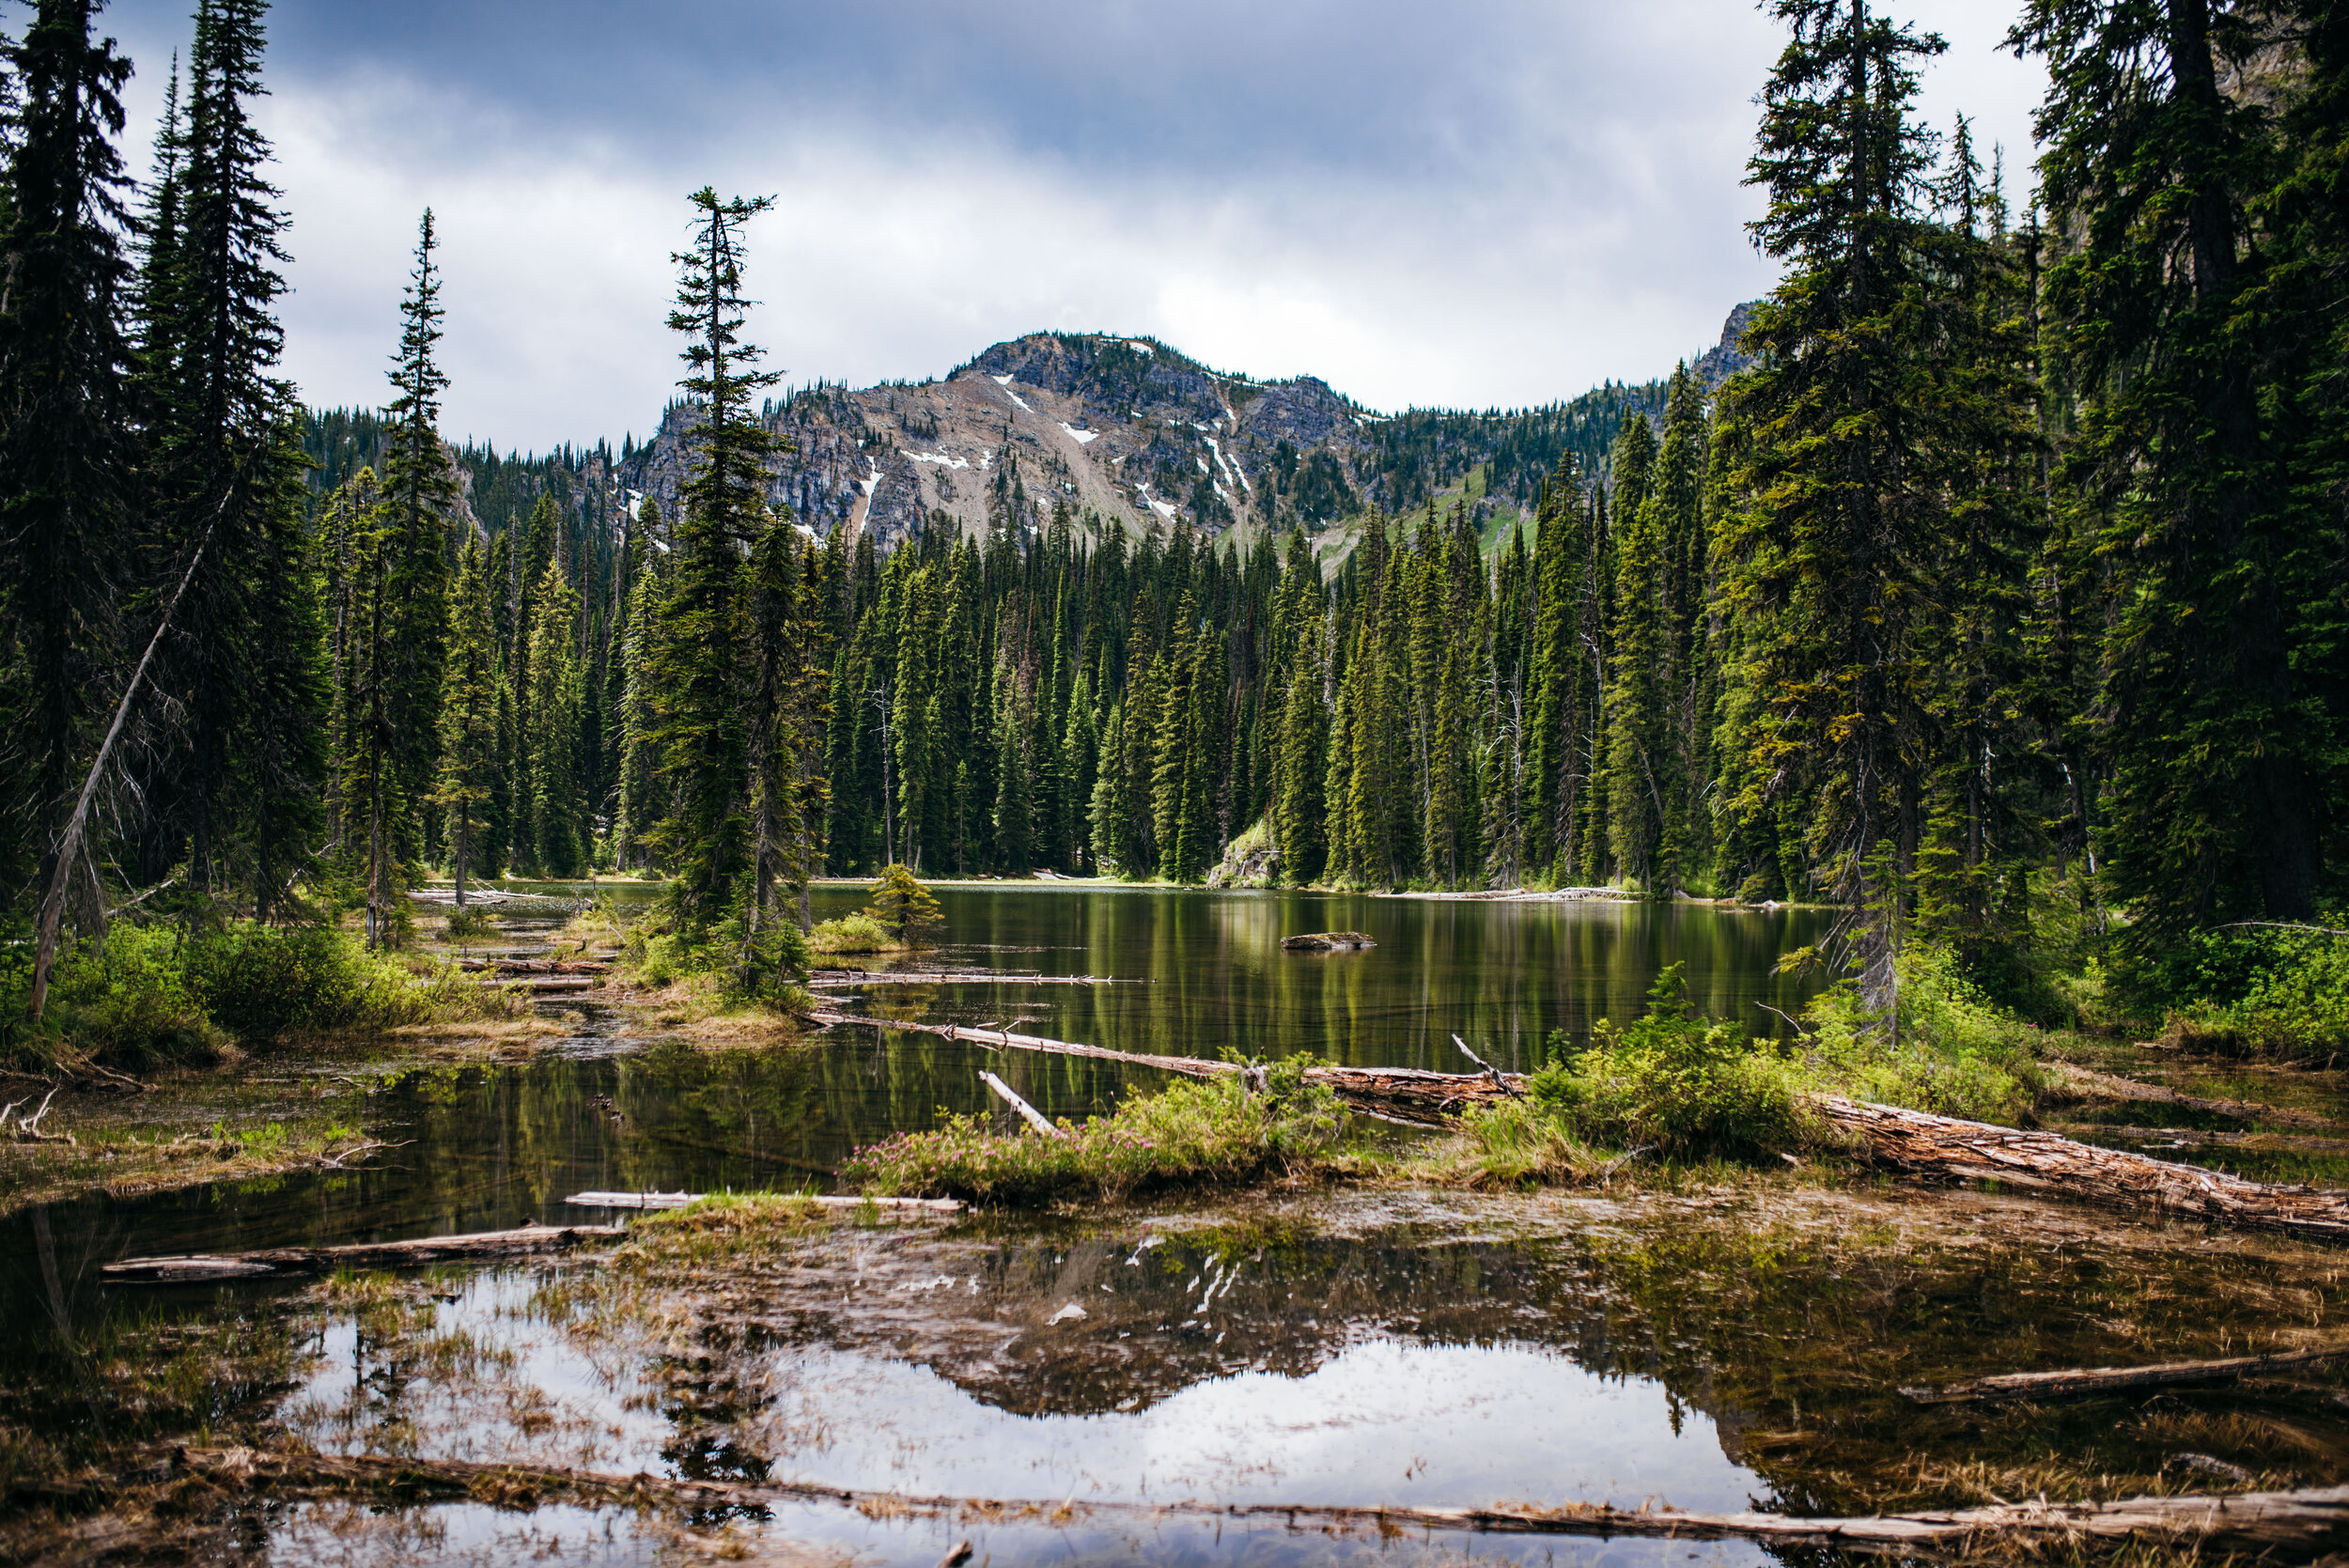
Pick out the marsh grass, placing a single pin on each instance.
(1192, 1133)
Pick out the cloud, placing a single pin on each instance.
(1490, 204)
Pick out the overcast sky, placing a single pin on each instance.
(1458, 204)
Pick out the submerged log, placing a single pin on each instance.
(2080, 1383)
(1919, 1141)
(1326, 942)
(1191, 1066)
(821, 1200)
(282, 1261)
(2095, 1085)
(2317, 1518)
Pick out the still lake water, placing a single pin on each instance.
(1406, 1360)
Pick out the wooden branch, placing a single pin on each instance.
(822, 1200)
(2284, 1518)
(1028, 1114)
(1490, 1071)
(280, 1261)
(2108, 1086)
(2043, 1162)
(2102, 1380)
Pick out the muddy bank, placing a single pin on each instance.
(1709, 1350)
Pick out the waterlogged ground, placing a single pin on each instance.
(1709, 1342)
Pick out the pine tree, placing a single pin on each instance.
(248, 676)
(419, 494)
(699, 730)
(2224, 630)
(553, 737)
(69, 458)
(469, 719)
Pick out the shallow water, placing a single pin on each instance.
(1707, 1351)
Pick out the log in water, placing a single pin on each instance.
(280, 1261)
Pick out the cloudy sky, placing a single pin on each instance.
(1481, 202)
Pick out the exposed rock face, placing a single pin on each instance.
(1126, 429)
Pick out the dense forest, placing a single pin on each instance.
(2002, 599)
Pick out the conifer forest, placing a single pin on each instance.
(1837, 847)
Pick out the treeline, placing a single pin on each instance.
(2011, 573)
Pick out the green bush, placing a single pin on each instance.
(1953, 1052)
(129, 1001)
(1675, 1083)
(1191, 1132)
(2279, 989)
(853, 932)
(149, 995)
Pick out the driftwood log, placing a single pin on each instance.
(1326, 942)
(2082, 1383)
(824, 1199)
(2301, 1519)
(535, 966)
(282, 1261)
(823, 977)
(1927, 1144)
(1028, 1114)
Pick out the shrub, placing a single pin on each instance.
(904, 906)
(1204, 1132)
(1953, 1052)
(1675, 1083)
(129, 1001)
(2281, 989)
(854, 933)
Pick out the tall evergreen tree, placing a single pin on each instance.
(69, 459)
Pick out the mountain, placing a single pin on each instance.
(1132, 431)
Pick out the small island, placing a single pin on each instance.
(1326, 942)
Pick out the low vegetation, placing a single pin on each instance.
(1213, 1132)
(145, 995)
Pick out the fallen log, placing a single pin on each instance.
(1191, 1066)
(549, 985)
(1911, 1140)
(1919, 1141)
(2096, 1085)
(821, 1200)
(1028, 1114)
(284, 1261)
(958, 977)
(535, 966)
(2082, 1382)
(2318, 1517)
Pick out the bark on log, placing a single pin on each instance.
(825, 1200)
(281, 1261)
(2317, 1518)
(535, 966)
(2096, 1085)
(1919, 1141)
(2080, 1383)
(1028, 1114)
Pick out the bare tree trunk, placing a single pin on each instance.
(69, 843)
